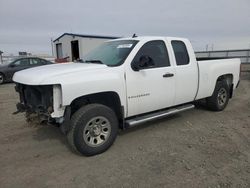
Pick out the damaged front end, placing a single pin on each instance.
(36, 102)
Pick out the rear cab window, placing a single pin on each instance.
(180, 52)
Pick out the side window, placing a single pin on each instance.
(156, 51)
(17, 63)
(35, 62)
(43, 62)
(180, 52)
(22, 62)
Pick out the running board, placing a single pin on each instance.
(157, 115)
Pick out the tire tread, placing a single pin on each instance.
(212, 101)
(75, 119)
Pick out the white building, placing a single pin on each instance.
(75, 46)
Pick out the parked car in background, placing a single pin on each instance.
(7, 70)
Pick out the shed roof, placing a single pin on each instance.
(86, 36)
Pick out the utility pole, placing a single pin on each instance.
(206, 47)
(52, 49)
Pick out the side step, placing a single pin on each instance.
(157, 115)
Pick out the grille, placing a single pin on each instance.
(38, 99)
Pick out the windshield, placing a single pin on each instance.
(111, 53)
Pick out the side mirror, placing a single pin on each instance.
(143, 63)
(146, 61)
(135, 66)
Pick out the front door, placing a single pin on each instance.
(59, 52)
(17, 65)
(75, 50)
(153, 86)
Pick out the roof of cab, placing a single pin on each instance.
(147, 38)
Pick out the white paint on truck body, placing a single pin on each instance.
(139, 91)
(211, 70)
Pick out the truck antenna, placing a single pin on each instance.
(134, 35)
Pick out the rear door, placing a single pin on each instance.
(153, 86)
(186, 71)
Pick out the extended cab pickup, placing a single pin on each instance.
(123, 83)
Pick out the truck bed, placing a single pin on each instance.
(211, 58)
(209, 72)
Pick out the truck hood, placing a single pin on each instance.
(45, 74)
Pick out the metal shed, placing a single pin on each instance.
(74, 46)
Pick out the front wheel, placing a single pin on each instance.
(219, 100)
(93, 130)
(1, 78)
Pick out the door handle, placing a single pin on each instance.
(168, 75)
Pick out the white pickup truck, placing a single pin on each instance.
(123, 83)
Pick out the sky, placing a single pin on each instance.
(29, 25)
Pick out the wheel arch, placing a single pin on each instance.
(109, 98)
(229, 79)
(2, 73)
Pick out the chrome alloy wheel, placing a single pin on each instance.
(222, 96)
(97, 131)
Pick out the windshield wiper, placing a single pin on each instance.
(94, 61)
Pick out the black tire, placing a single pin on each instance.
(2, 78)
(219, 100)
(81, 123)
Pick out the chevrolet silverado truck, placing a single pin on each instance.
(123, 83)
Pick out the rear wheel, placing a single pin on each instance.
(219, 100)
(1, 78)
(93, 129)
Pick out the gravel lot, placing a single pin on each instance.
(197, 148)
